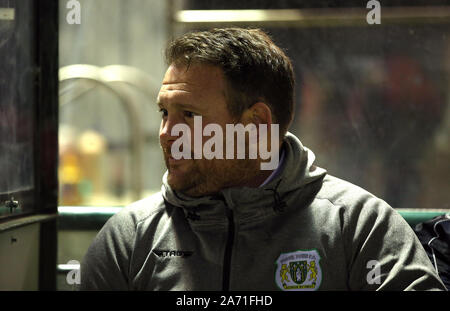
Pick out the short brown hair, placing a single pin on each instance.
(254, 67)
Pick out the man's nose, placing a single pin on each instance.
(165, 131)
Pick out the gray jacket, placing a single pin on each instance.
(304, 230)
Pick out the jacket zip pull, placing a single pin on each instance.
(279, 204)
(228, 252)
(193, 215)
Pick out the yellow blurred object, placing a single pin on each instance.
(70, 172)
(80, 171)
(91, 142)
(70, 175)
(92, 146)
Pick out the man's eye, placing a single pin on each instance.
(189, 114)
(163, 112)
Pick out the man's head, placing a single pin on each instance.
(255, 69)
(226, 76)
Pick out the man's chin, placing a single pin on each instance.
(177, 180)
(186, 185)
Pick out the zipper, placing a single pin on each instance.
(228, 251)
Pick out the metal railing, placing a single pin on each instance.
(108, 77)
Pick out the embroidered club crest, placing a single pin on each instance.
(298, 271)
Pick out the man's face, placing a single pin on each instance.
(198, 91)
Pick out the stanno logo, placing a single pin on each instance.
(172, 253)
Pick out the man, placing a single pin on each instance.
(223, 223)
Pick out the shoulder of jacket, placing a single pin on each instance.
(139, 211)
(349, 196)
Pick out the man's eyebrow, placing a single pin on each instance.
(180, 105)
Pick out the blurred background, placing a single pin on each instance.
(111, 66)
(372, 100)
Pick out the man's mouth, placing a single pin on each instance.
(172, 161)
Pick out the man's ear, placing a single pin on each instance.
(259, 113)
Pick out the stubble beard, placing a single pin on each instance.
(203, 177)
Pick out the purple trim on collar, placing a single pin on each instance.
(275, 172)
